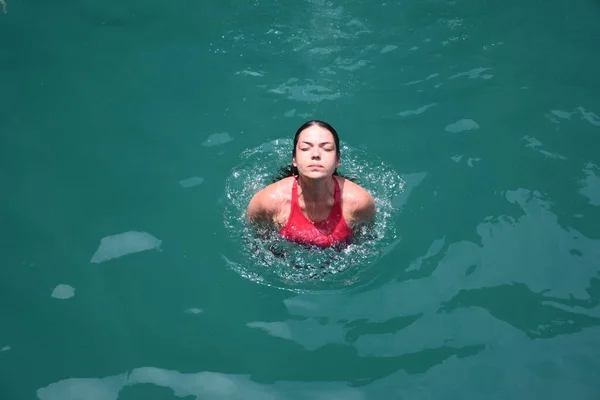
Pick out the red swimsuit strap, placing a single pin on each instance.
(295, 203)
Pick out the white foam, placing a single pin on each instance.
(591, 185)
(217, 139)
(63, 292)
(430, 76)
(122, 244)
(202, 385)
(418, 111)
(472, 160)
(472, 74)
(589, 116)
(191, 182)
(250, 73)
(277, 328)
(562, 114)
(388, 48)
(454, 23)
(308, 333)
(535, 144)
(84, 388)
(6, 348)
(324, 50)
(462, 125)
(194, 311)
(308, 92)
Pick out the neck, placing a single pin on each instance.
(316, 191)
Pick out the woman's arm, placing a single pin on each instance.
(364, 210)
(258, 209)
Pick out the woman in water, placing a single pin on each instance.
(314, 205)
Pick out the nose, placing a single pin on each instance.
(316, 153)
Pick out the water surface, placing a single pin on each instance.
(121, 122)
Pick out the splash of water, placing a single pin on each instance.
(270, 260)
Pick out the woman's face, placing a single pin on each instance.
(316, 155)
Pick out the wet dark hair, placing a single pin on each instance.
(289, 170)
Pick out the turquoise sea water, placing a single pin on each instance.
(122, 125)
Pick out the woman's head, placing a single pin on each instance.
(316, 151)
(323, 125)
(325, 133)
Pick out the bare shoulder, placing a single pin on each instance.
(355, 194)
(359, 205)
(268, 203)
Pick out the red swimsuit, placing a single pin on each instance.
(329, 232)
